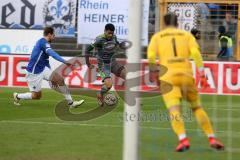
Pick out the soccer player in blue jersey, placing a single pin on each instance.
(39, 68)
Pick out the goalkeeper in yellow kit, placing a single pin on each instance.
(174, 48)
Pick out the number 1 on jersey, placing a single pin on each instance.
(174, 47)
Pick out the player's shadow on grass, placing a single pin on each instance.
(63, 112)
(154, 90)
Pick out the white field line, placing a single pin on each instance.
(218, 106)
(224, 109)
(225, 119)
(43, 100)
(98, 125)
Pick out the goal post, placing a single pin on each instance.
(131, 126)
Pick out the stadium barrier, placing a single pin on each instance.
(206, 16)
(222, 76)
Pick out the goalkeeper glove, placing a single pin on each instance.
(203, 80)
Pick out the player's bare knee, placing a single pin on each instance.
(61, 82)
(108, 83)
(36, 95)
(57, 79)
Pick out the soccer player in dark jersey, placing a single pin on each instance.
(39, 69)
(107, 64)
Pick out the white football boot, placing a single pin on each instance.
(15, 99)
(75, 104)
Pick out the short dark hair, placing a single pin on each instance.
(48, 30)
(221, 29)
(110, 27)
(195, 31)
(171, 19)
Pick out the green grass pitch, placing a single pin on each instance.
(33, 132)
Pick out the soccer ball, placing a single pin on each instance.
(110, 99)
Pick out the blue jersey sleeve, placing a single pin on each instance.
(56, 56)
(47, 49)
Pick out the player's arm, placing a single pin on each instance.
(89, 52)
(195, 52)
(151, 56)
(56, 56)
(53, 54)
(197, 57)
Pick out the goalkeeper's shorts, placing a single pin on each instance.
(183, 87)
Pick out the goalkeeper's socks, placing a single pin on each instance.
(182, 137)
(177, 124)
(204, 121)
(210, 136)
(25, 96)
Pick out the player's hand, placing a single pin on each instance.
(54, 84)
(203, 80)
(72, 66)
(153, 76)
(90, 66)
(69, 64)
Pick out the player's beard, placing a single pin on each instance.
(50, 39)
